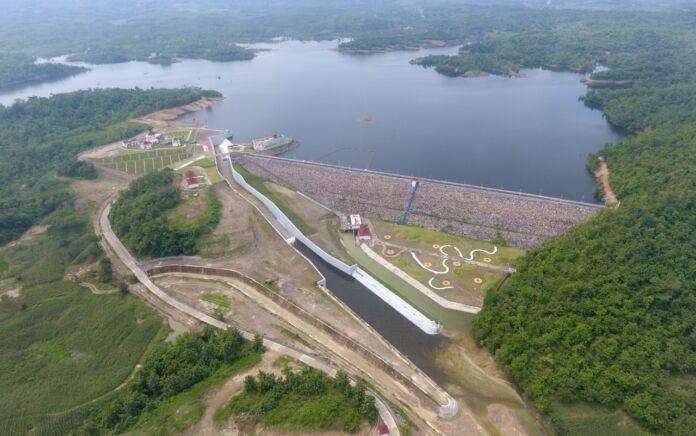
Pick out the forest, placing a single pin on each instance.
(41, 137)
(139, 217)
(21, 70)
(306, 400)
(606, 314)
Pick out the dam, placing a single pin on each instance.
(521, 220)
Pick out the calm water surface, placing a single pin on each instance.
(530, 134)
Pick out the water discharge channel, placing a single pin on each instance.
(418, 346)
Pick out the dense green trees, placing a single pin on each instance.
(304, 400)
(42, 136)
(139, 217)
(168, 370)
(607, 313)
(19, 70)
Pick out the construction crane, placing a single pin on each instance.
(414, 188)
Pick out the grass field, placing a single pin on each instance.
(462, 276)
(62, 346)
(144, 162)
(66, 347)
(587, 420)
(423, 238)
(218, 299)
(182, 133)
(208, 164)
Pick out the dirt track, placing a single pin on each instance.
(602, 175)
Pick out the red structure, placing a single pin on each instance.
(364, 232)
(191, 179)
(383, 429)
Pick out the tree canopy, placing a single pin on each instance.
(139, 217)
(40, 137)
(607, 313)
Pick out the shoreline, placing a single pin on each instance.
(166, 116)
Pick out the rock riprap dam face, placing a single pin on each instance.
(485, 214)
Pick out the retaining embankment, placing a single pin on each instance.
(523, 220)
(426, 324)
(447, 405)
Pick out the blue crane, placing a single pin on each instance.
(414, 187)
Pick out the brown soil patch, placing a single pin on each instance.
(161, 117)
(217, 397)
(505, 420)
(29, 235)
(12, 293)
(97, 291)
(476, 379)
(602, 175)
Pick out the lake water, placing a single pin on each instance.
(530, 134)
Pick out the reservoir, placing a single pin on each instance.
(378, 111)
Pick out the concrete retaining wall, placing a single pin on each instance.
(412, 314)
(424, 323)
(290, 226)
(449, 408)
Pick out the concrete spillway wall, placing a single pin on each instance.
(447, 405)
(426, 324)
(291, 227)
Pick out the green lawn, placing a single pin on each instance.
(181, 133)
(208, 164)
(423, 238)
(217, 298)
(450, 318)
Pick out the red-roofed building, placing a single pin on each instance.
(191, 179)
(364, 233)
(383, 430)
